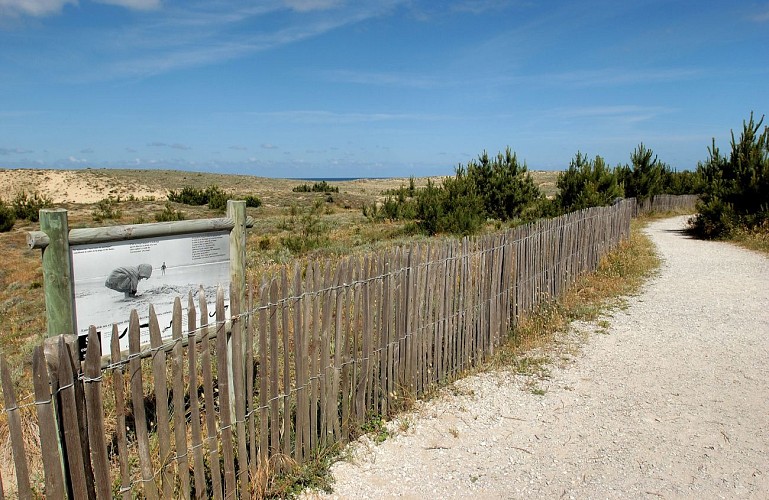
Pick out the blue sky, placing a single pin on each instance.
(336, 88)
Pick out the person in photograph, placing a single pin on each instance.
(126, 278)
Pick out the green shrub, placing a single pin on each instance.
(504, 185)
(312, 231)
(106, 208)
(645, 178)
(7, 217)
(189, 196)
(499, 188)
(587, 183)
(169, 214)
(217, 198)
(735, 189)
(28, 207)
(252, 201)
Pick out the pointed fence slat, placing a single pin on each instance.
(249, 396)
(195, 426)
(95, 408)
(140, 415)
(76, 455)
(264, 438)
(14, 426)
(238, 384)
(180, 420)
(49, 444)
(118, 388)
(212, 436)
(222, 375)
(274, 401)
(161, 407)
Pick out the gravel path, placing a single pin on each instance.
(670, 401)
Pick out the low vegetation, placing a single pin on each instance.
(318, 187)
(493, 191)
(213, 196)
(735, 194)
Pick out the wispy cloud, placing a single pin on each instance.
(269, 146)
(133, 4)
(481, 6)
(238, 148)
(177, 145)
(621, 76)
(14, 151)
(618, 113)
(310, 5)
(384, 79)
(40, 8)
(328, 117)
(760, 15)
(196, 34)
(36, 8)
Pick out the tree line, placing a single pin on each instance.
(734, 189)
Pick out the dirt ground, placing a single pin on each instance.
(667, 398)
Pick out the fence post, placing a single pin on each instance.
(236, 210)
(57, 273)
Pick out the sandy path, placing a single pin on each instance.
(672, 403)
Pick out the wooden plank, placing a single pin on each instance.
(14, 427)
(307, 363)
(313, 284)
(274, 374)
(339, 293)
(416, 325)
(325, 355)
(264, 377)
(95, 408)
(384, 339)
(70, 424)
(250, 396)
(49, 442)
(82, 236)
(180, 417)
(347, 358)
(238, 382)
(299, 360)
(360, 390)
(212, 436)
(118, 387)
(195, 425)
(140, 416)
(222, 358)
(161, 407)
(286, 335)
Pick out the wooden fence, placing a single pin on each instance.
(315, 351)
(666, 203)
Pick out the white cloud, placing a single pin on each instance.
(761, 16)
(269, 146)
(40, 8)
(310, 5)
(133, 4)
(33, 7)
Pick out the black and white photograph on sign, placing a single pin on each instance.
(111, 279)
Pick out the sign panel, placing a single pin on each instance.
(113, 278)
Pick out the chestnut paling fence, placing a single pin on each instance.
(316, 351)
